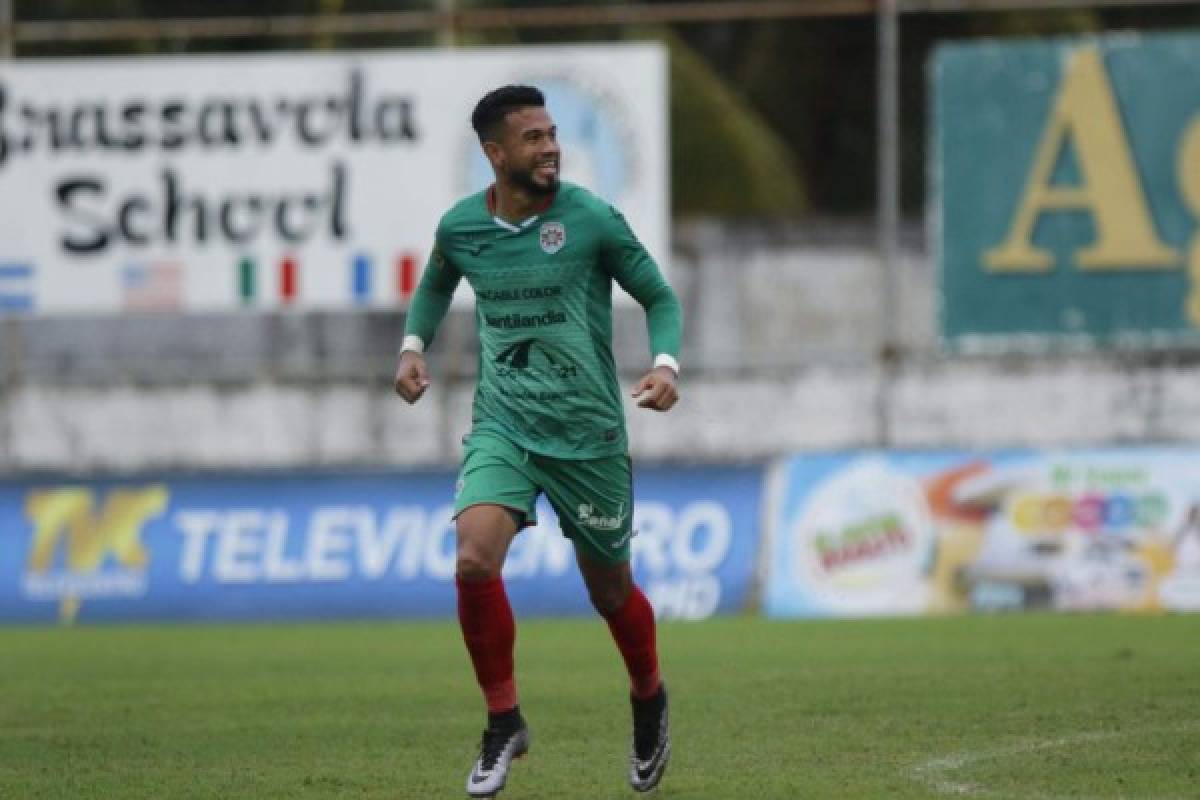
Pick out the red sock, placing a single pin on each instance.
(632, 628)
(490, 632)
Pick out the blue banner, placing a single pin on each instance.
(342, 546)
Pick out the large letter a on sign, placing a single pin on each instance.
(1085, 114)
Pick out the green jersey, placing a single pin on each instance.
(543, 309)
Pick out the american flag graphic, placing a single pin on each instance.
(152, 287)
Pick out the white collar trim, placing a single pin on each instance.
(508, 226)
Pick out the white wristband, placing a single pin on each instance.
(413, 343)
(667, 360)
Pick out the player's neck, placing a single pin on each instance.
(516, 204)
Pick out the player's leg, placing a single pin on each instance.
(630, 620)
(489, 630)
(495, 499)
(594, 502)
(629, 616)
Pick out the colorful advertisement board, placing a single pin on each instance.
(216, 183)
(925, 533)
(342, 546)
(1066, 192)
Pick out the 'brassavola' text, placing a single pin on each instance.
(175, 211)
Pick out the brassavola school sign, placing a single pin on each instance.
(305, 181)
(1066, 187)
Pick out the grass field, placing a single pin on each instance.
(1013, 706)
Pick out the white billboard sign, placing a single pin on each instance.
(312, 181)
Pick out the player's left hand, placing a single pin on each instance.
(657, 390)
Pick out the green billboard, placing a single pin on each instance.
(1066, 192)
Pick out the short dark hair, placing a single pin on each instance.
(490, 111)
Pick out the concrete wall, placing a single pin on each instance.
(783, 338)
(269, 424)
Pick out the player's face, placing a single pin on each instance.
(529, 155)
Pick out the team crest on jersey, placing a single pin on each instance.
(552, 236)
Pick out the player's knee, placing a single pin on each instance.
(475, 563)
(609, 598)
(483, 533)
(474, 560)
(470, 568)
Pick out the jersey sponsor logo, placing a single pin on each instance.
(553, 235)
(527, 293)
(520, 357)
(511, 321)
(589, 516)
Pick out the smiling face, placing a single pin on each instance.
(526, 152)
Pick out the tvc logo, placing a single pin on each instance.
(81, 549)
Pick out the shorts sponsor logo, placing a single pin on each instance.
(589, 516)
(552, 236)
(619, 543)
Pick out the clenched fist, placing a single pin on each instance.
(657, 390)
(412, 378)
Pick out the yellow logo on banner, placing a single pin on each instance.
(1189, 184)
(78, 553)
(1085, 115)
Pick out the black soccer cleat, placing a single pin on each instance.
(651, 741)
(503, 742)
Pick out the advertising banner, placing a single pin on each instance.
(214, 183)
(1066, 192)
(924, 533)
(311, 547)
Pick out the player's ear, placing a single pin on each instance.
(494, 152)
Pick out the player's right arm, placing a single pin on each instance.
(425, 313)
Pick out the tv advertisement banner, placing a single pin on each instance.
(343, 546)
(877, 533)
(307, 181)
(1066, 192)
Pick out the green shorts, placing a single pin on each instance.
(593, 498)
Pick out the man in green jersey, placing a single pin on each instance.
(541, 256)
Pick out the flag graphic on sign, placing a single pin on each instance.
(406, 276)
(366, 279)
(16, 288)
(289, 279)
(152, 287)
(251, 286)
(360, 279)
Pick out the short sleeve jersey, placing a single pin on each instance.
(543, 294)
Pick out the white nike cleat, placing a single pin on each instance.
(500, 746)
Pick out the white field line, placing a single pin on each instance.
(937, 773)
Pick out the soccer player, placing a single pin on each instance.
(541, 256)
